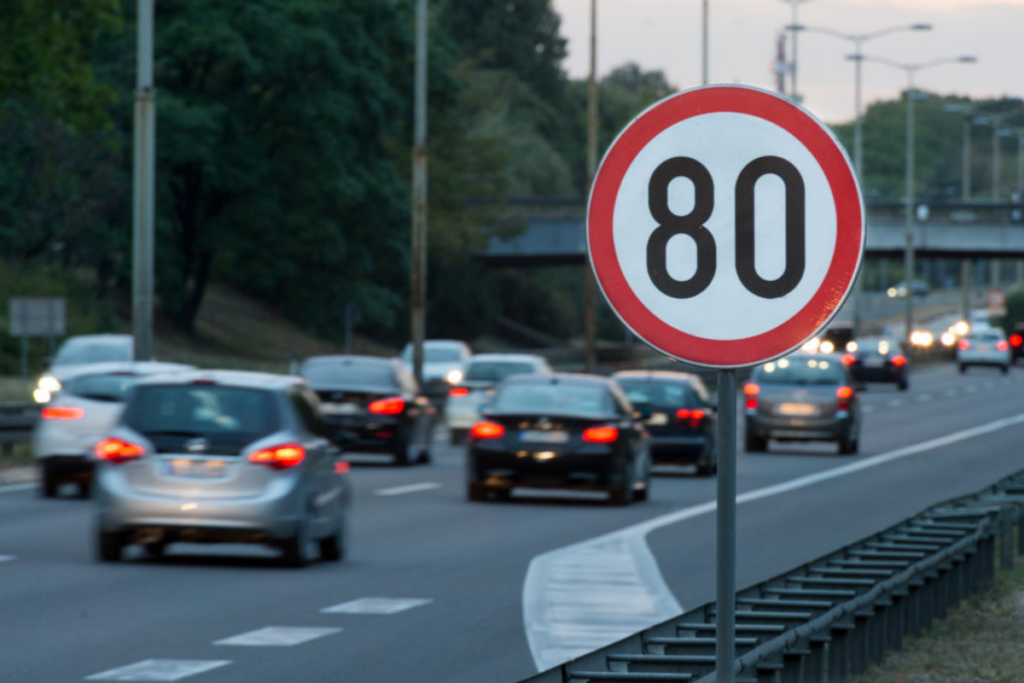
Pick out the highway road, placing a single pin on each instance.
(477, 593)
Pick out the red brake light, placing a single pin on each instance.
(63, 413)
(279, 457)
(694, 416)
(459, 391)
(600, 434)
(341, 467)
(751, 391)
(849, 359)
(899, 361)
(844, 394)
(1002, 345)
(388, 406)
(487, 430)
(963, 344)
(117, 450)
(1016, 340)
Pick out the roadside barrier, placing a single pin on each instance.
(832, 617)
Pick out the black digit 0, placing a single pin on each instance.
(795, 227)
(670, 225)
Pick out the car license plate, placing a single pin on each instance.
(542, 436)
(340, 408)
(984, 348)
(797, 409)
(658, 419)
(203, 469)
(874, 362)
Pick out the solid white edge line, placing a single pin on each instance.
(535, 596)
(409, 488)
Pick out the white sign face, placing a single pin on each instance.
(725, 226)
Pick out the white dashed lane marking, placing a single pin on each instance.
(278, 636)
(949, 392)
(11, 488)
(868, 409)
(924, 397)
(409, 488)
(894, 403)
(970, 389)
(159, 670)
(6, 558)
(377, 606)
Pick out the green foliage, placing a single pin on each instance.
(1014, 311)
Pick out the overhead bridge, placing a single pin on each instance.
(973, 230)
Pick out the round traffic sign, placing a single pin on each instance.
(725, 226)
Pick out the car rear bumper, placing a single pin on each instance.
(678, 449)
(378, 435)
(272, 515)
(882, 374)
(68, 467)
(969, 358)
(544, 469)
(811, 429)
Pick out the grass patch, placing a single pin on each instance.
(981, 641)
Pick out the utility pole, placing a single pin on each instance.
(965, 174)
(418, 274)
(589, 286)
(144, 187)
(908, 252)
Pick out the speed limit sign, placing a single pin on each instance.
(725, 226)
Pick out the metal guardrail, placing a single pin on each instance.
(17, 418)
(832, 617)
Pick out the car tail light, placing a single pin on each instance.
(1016, 340)
(487, 430)
(844, 394)
(63, 413)
(751, 391)
(963, 344)
(279, 457)
(600, 434)
(118, 450)
(899, 361)
(695, 417)
(388, 406)
(1002, 345)
(459, 391)
(849, 359)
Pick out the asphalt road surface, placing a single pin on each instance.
(475, 593)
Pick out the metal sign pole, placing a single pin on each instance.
(726, 571)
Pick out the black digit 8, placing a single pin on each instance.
(670, 225)
(795, 227)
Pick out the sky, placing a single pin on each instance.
(665, 34)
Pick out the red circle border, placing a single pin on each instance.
(838, 280)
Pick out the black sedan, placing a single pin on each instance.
(559, 431)
(679, 415)
(372, 405)
(878, 359)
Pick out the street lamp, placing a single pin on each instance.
(858, 40)
(796, 6)
(908, 254)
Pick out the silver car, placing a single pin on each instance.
(222, 456)
(83, 411)
(78, 352)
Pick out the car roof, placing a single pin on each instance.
(560, 378)
(105, 337)
(133, 367)
(651, 375)
(345, 358)
(506, 358)
(232, 378)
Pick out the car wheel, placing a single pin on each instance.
(155, 550)
(457, 437)
(1006, 369)
(405, 454)
(109, 546)
(904, 385)
(333, 547)
(623, 493)
(50, 483)
(963, 368)
(756, 444)
(476, 492)
(641, 495)
(295, 551)
(849, 445)
(424, 457)
(84, 489)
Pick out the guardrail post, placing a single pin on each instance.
(859, 642)
(911, 611)
(814, 665)
(881, 621)
(1006, 540)
(792, 665)
(953, 593)
(941, 593)
(927, 604)
(838, 655)
(1020, 530)
(896, 622)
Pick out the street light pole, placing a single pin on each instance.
(965, 179)
(144, 186)
(418, 266)
(995, 161)
(589, 286)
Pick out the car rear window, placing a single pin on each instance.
(986, 336)
(95, 352)
(495, 371)
(659, 395)
(558, 398)
(112, 387)
(801, 371)
(341, 373)
(227, 418)
(882, 346)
